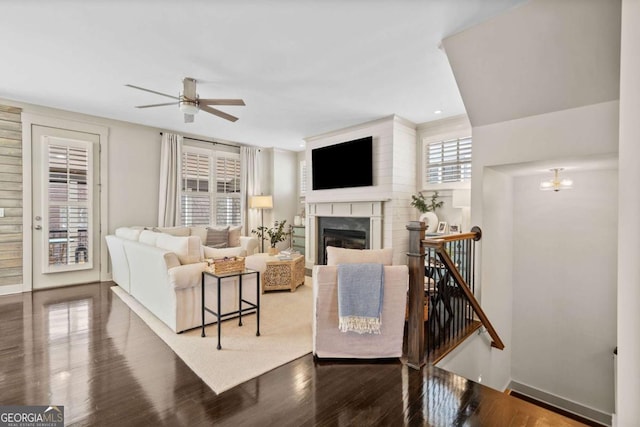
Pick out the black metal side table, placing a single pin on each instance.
(249, 306)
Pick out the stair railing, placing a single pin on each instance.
(441, 293)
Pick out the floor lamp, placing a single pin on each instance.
(262, 203)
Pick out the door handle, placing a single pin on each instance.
(38, 227)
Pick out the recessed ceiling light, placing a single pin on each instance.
(437, 112)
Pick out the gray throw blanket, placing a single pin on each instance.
(360, 293)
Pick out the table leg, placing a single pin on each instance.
(240, 301)
(258, 303)
(202, 300)
(218, 315)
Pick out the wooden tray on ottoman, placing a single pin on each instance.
(283, 274)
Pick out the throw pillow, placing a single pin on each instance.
(188, 249)
(173, 231)
(217, 236)
(234, 236)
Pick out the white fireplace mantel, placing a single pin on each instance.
(371, 209)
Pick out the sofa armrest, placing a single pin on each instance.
(186, 276)
(249, 244)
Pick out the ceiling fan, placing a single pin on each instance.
(190, 103)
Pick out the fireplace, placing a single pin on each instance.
(364, 217)
(349, 239)
(342, 232)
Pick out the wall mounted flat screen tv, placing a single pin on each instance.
(344, 165)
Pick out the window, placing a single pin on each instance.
(303, 177)
(203, 203)
(447, 162)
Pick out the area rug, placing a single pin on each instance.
(285, 335)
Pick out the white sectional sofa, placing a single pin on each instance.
(163, 272)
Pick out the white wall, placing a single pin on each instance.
(628, 378)
(568, 134)
(134, 173)
(476, 359)
(564, 286)
(285, 191)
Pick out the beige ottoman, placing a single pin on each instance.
(276, 274)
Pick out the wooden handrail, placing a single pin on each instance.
(474, 234)
(418, 246)
(446, 259)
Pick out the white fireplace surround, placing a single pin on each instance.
(372, 210)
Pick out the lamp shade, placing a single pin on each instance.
(261, 202)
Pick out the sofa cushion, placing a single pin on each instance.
(174, 231)
(186, 248)
(217, 237)
(337, 256)
(149, 237)
(200, 231)
(128, 233)
(234, 235)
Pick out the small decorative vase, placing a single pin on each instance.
(431, 221)
(273, 251)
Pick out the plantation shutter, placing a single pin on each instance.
(196, 199)
(303, 176)
(448, 161)
(227, 189)
(69, 204)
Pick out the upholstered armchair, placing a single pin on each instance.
(328, 340)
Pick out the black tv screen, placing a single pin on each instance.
(344, 165)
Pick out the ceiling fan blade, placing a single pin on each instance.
(221, 101)
(152, 91)
(188, 118)
(218, 113)
(157, 105)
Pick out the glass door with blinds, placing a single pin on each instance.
(210, 187)
(67, 190)
(66, 207)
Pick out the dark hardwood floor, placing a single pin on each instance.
(65, 347)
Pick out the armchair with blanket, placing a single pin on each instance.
(328, 340)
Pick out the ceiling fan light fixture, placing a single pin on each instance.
(188, 106)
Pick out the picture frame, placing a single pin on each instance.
(454, 228)
(442, 227)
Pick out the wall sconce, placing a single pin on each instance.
(556, 184)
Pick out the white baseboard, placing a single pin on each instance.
(560, 402)
(11, 289)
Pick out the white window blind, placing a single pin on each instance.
(202, 202)
(303, 176)
(196, 199)
(228, 189)
(69, 202)
(448, 161)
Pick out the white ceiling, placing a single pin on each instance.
(302, 67)
(546, 55)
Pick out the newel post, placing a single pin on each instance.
(415, 329)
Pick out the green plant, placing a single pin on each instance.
(419, 202)
(275, 234)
